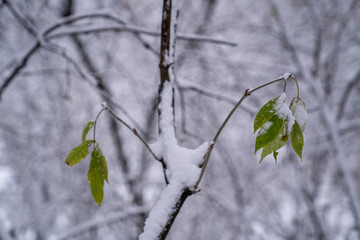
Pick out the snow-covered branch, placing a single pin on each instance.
(136, 29)
(181, 165)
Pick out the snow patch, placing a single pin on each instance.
(104, 105)
(300, 113)
(182, 163)
(160, 213)
(283, 111)
(182, 167)
(286, 76)
(264, 128)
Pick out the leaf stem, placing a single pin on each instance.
(245, 95)
(297, 85)
(97, 117)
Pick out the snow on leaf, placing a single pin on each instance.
(265, 113)
(87, 128)
(285, 113)
(78, 153)
(270, 134)
(274, 132)
(298, 109)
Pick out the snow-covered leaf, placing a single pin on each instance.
(87, 128)
(298, 109)
(265, 113)
(274, 132)
(269, 131)
(78, 153)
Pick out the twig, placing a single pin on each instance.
(185, 86)
(22, 63)
(96, 119)
(26, 24)
(99, 221)
(133, 130)
(135, 29)
(345, 96)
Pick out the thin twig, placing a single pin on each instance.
(136, 29)
(97, 117)
(22, 63)
(134, 131)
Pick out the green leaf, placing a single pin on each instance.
(269, 132)
(97, 174)
(297, 139)
(87, 128)
(274, 145)
(78, 153)
(265, 114)
(275, 154)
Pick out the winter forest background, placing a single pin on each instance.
(52, 82)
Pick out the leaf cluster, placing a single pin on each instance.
(273, 126)
(98, 172)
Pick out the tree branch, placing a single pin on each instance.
(136, 29)
(99, 221)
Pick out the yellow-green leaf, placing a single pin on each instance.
(297, 139)
(96, 183)
(265, 114)
(269, 131)
(78, 153)
(87, 128)
(97, 174)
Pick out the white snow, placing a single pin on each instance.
(182, 163)
(159, 214)
(182, 167)
(286, 76)
(264, 128)
(284, 112)
(299, 110)
(104, 105)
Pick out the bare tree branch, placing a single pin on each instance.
(99, 221)
(19, 66)
(135, 29)
(345, 96)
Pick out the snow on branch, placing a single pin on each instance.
(181, 165)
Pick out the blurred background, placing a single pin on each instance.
(60, 59)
